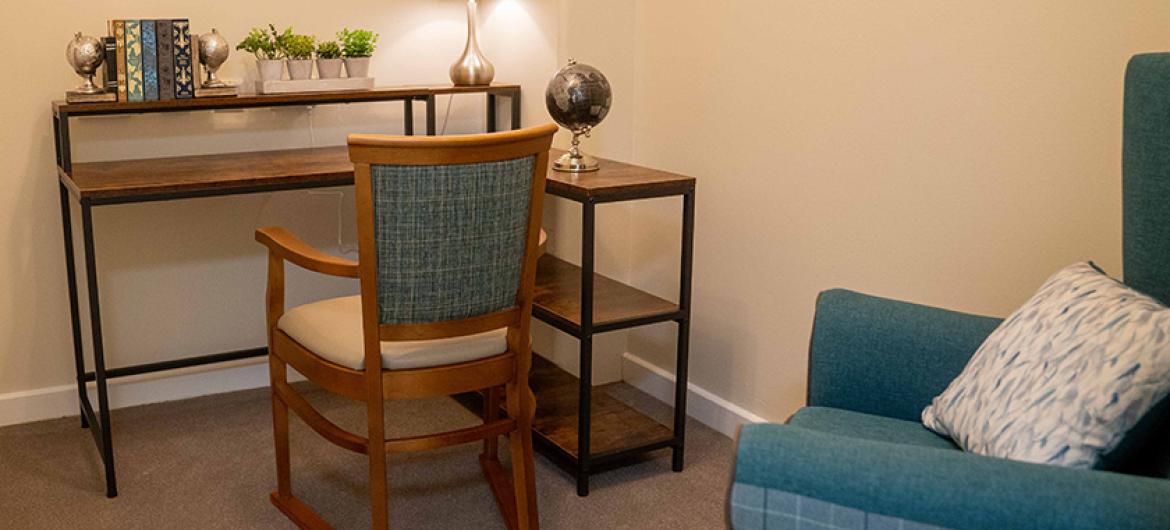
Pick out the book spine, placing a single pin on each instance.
(133, 61)
(166, 59)
(110, 63)
(149, 61)
(120, 36)
(184, 72)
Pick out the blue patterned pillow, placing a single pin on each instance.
(1064, 378)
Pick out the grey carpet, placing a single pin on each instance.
(207, 463)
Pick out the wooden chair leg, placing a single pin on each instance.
(523, 465)
(278, 371)
(379, 501)
(491, 412)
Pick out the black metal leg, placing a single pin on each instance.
(431, 115)
(515, 110)
(408, 116)
(491, 113)
(684, 330)
(99, 360)
(64, 149)
(74, 312)
(584, 405)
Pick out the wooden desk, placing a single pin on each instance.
(158, 179)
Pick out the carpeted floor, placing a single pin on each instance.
(207, 463)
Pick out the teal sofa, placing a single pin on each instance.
(857, 457)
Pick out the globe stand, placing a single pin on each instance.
(575, 161)
(86, 89)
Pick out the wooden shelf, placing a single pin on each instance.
(614, 427)
(615, 304)
(615, 181)
(220, 174)
(277, 100)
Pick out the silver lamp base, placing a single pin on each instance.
(472, 68)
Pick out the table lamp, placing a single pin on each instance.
(472, 68)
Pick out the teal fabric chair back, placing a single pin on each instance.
(1146, 241)
(450, 239)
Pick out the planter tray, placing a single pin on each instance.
(286, 86)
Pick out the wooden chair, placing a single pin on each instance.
(448, 236)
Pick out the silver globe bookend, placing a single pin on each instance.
(578, 98)
(472, 68)
(85, 54)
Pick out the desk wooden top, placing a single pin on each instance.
(178, 177)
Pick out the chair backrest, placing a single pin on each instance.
(1146, 240)
(447, 232)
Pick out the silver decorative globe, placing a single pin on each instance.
(85, 54)
(213, 51)
(578, 98)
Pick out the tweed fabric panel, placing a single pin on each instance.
(1065, 377)
(757, 508)
(450, 239)
(885, 357)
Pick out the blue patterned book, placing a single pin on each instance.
(133, 61)
(149, 61)
(184, 70)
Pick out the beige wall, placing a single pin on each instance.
(185, 277)
(951, 153)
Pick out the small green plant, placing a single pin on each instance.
(298, 46)
(328, 50)
(357, 43)
(264, 44)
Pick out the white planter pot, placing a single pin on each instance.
(328, 68)
(300, 68)
(357, 66)
(270, 69)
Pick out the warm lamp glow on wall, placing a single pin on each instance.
(472, 68)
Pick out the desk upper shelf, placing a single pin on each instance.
(275, 100)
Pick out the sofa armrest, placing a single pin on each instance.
(885, 357)
(945, 487)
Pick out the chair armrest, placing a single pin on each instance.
(289, 247)
(945, 487)
(885, 357)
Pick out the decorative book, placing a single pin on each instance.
(120, 37)
(110, 65)
(184, 72)
(133, 61)
(290, 86)
(164, 34)
(149, 61)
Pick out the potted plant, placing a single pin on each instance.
(263, 44)
(328, 60)
(357, 46)
(299, 50)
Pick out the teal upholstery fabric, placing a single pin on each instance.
(888, 358)
(450, 239)
(868, 427)
(1146, 240)
(944, 487)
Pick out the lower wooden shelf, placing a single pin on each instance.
(614, 426)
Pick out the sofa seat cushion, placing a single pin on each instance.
(332, 329)
(868, 427)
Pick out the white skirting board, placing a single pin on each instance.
(709, 409)
(60, 401)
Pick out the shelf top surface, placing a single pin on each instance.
(616, 181)
(558, 292)
(269, 100)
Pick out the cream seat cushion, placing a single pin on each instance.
(332, 329)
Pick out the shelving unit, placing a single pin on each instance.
(159, 179)
(583, 431)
